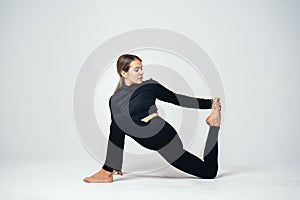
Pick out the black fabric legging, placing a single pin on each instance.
(168, 144)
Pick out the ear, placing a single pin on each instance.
(124, 74)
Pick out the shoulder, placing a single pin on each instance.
(115, 97)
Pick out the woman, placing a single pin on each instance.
(134, 113)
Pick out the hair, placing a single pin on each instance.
(123, 65)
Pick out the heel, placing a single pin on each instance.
(208, 119)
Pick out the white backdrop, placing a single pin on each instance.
(254, 45)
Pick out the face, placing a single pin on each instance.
(134, 74)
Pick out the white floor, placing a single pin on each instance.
(62, 179)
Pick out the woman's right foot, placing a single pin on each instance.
(100, 177)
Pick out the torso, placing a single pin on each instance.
(137, 100)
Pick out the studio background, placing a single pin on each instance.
(253, 44)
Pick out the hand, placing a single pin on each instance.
(119, 172)
(216, 103)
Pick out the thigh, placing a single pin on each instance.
(160, 139)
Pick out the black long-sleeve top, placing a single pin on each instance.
(135, 102)
(138, 100)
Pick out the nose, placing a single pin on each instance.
(141, 72)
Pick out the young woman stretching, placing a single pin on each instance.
(134, 113)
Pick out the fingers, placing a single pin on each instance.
(119, 172)
(216, 103)
(216, 99)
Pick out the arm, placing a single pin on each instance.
(115, 147)
(167, 95)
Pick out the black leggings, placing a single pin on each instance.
(168, 144)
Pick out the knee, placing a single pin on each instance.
(210, 174)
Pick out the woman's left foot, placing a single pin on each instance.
(215, 117)
(208, 119)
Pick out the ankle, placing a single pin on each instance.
(215, 123)
(107, 173)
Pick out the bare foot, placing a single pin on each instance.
(208, 119)
(102, 176)
(214, 119)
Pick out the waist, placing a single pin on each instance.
(149, 117)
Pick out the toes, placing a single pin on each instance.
(86, 180)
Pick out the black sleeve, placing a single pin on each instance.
(115, 147)
(167, 95)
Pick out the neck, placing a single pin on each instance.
(127, 83)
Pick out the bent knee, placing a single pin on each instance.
(210, 174)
